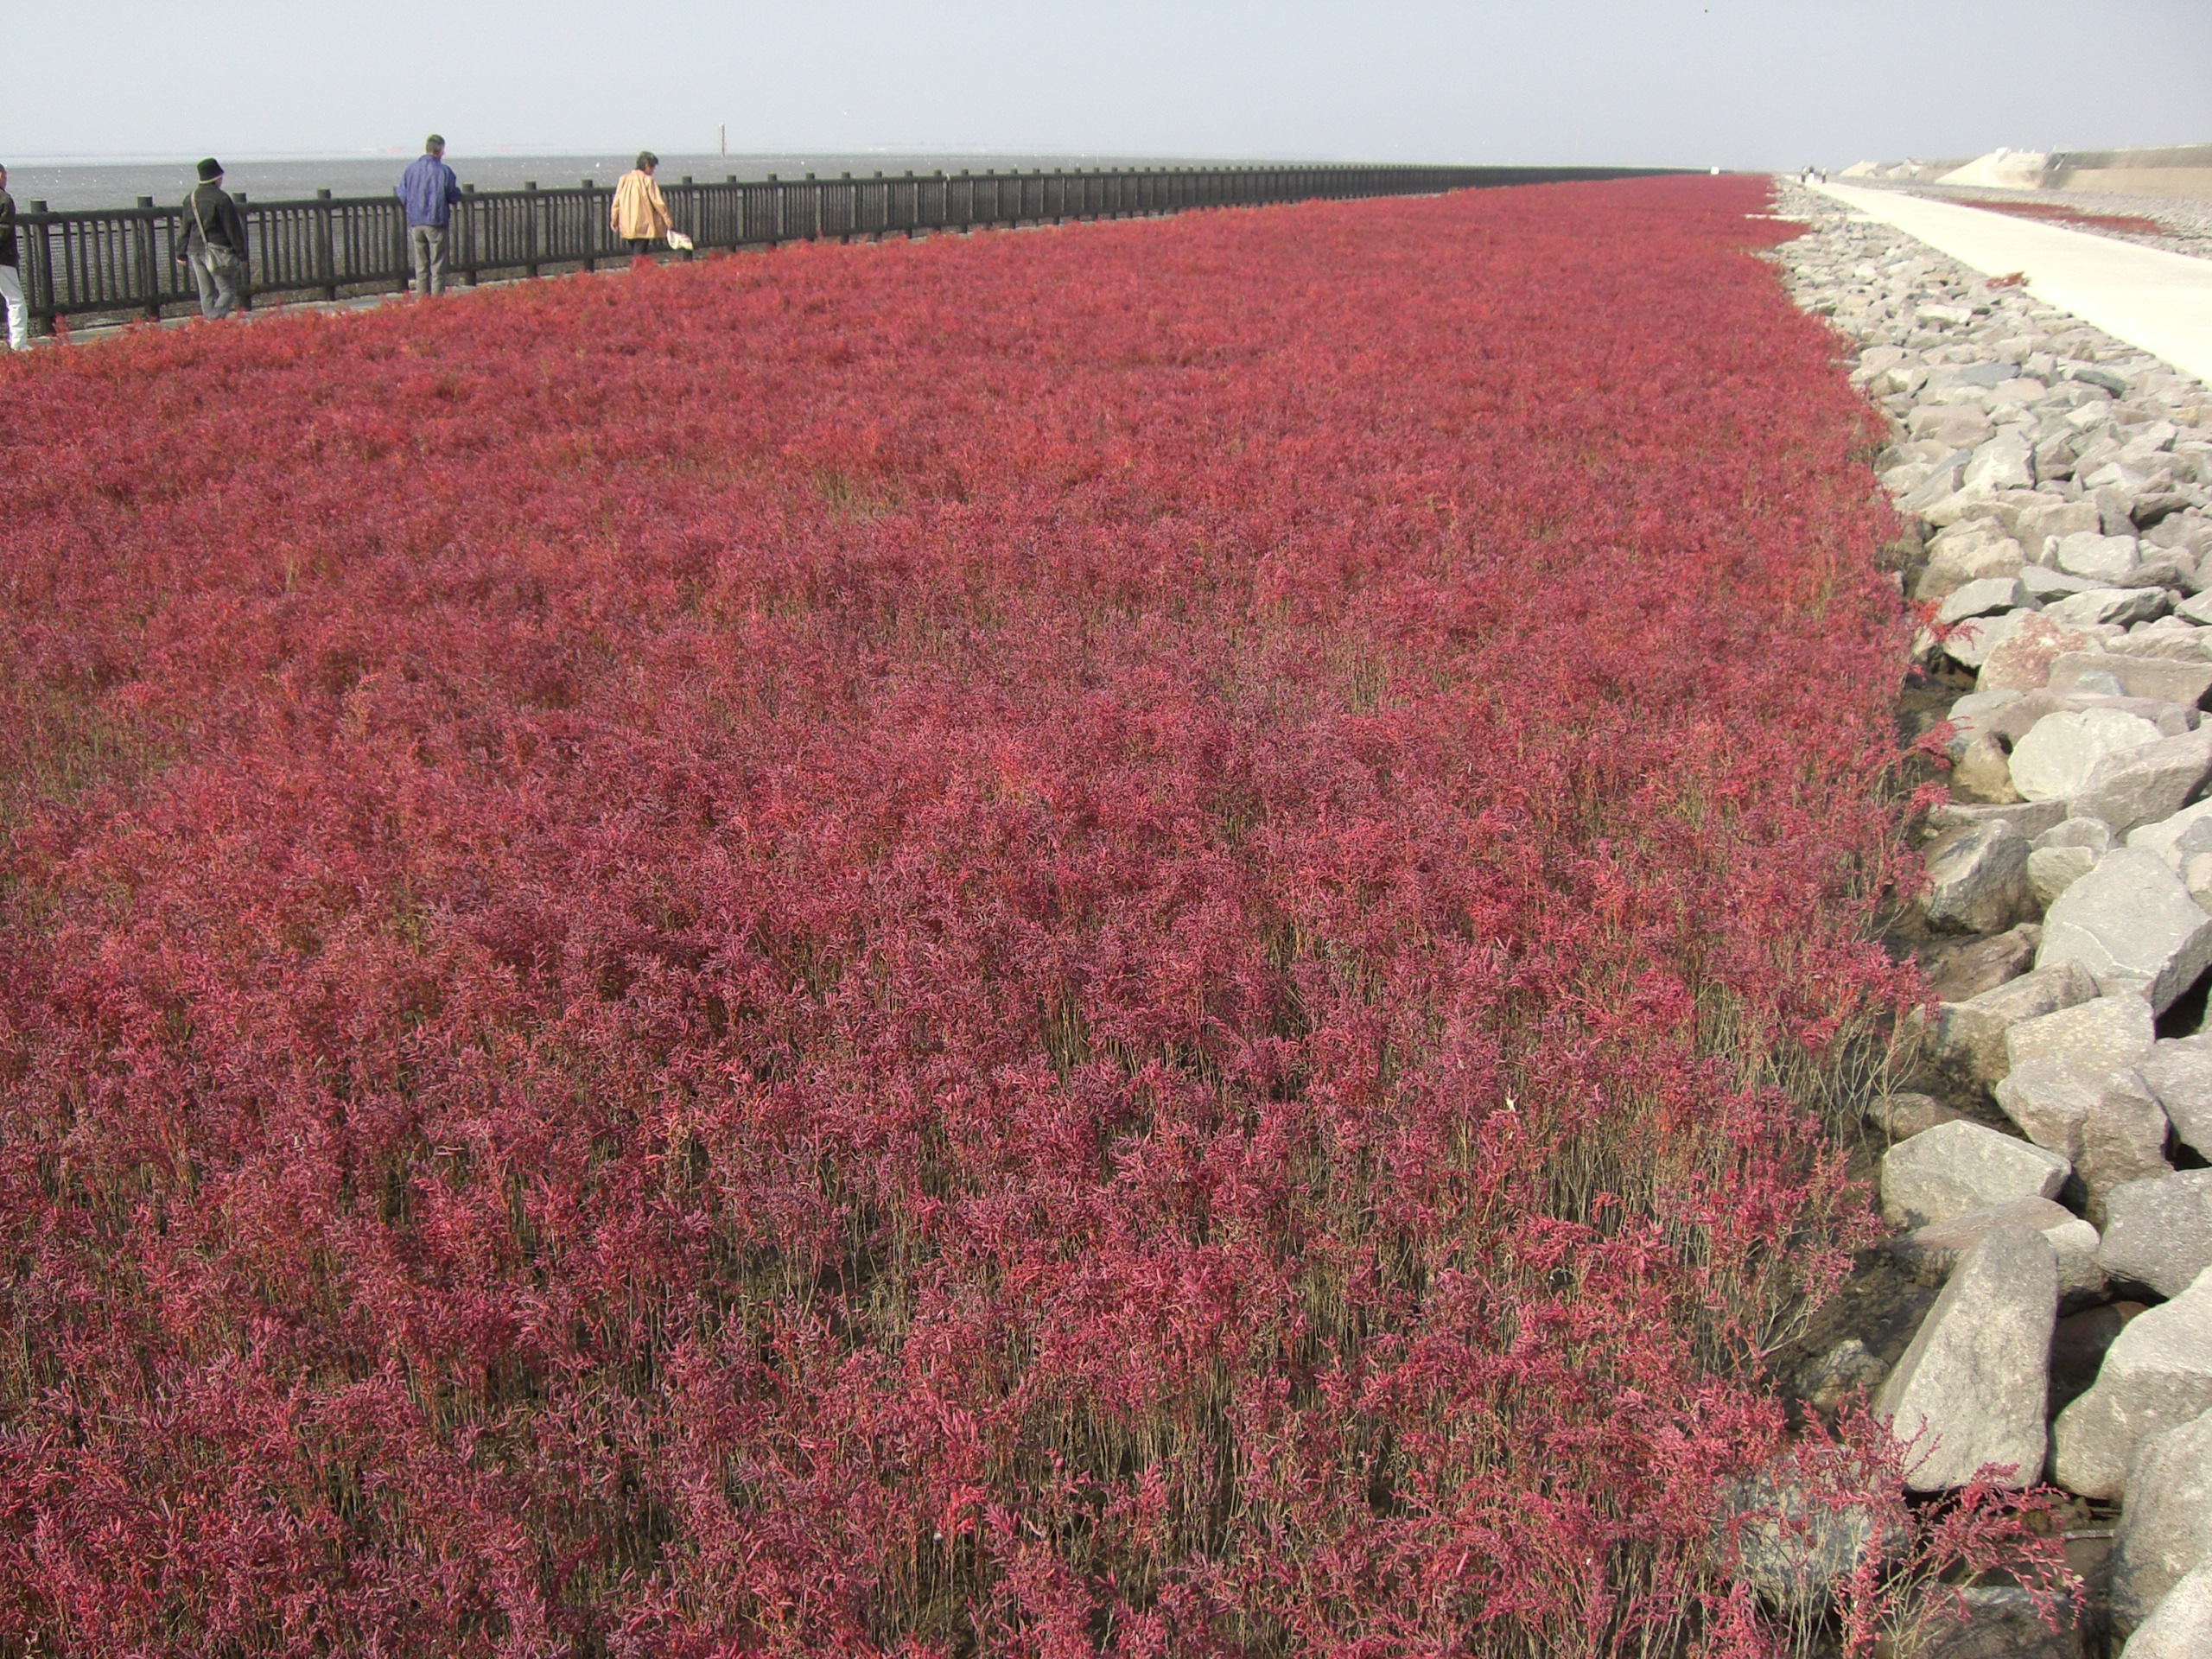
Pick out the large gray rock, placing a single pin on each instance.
(2004, 462)
(1977, 878)
(2123, 606)
(2157, 1375)
(2180, 1627)
(1790, 1546)
(1989, 1621)
(1971, 642)
(1992, 594)
(2147, 785)
(2179, 1072)
(2166, 1529)
(2037, 526)
(2107, 1124)
(1968, 553)
(2024, 662)
(1970, 1389)
(2131, 923)
(1979, 965)
(1955, 1168)
(2100, 558)
(2058, 755)
(2031, 818)
(2101, 1035)
(2157, 1231)
(2164, 837)
(2052, 870)
(2133, 674)
(1970, 1035)
(1934, 1251)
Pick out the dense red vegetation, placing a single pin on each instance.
(1071, 942)
(2127, 224)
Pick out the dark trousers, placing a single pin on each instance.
(638, 245)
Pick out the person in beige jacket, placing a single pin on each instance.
(639, 215)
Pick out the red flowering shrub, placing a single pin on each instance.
(2059, 213)
(1067, 942)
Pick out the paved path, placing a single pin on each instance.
(2159, 301)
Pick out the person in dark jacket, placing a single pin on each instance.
(429, 193)
(213, 242)
(11, 278)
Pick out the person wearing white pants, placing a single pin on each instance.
(11, 278)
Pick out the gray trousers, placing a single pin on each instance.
(428, 243)
(218, 289)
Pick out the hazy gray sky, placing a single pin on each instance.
(1736, 83)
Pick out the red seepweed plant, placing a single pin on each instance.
(1119, 941)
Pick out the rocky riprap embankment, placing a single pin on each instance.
(2052, 1175)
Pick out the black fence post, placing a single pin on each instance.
(149, 275)
(529, 225)
(326, 253)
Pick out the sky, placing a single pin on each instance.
(1751, 83)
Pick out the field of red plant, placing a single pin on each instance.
(2058, 212)
(1108, 941)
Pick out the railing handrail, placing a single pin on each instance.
(121, 260)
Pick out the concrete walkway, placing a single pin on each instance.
(2157, 301)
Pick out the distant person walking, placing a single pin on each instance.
(11, 277)
(639, 215)
(214, 243)
(429, 193)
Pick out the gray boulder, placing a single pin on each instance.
(2108, 1123)
(2158, 679)
(2164, 836)
(1970, 1035)
(1979, 965)
(2180, 1627)
(2132, 923)
(2101, 1035)
(1989, 1621)
(2037, 526)
(1991, 594)
(1955, 1167)
(2179, 1072)
(2060, 753)
(1968, 553)
(1977, 878)
(1972, 641)
(1969, 1391)
(2100, 558)
(2147, 785)
(1932, 1251)
(2158, 1231)
(1904, 1114)
(2052, 870)
(2004, 462)
(2158, 1375)
(2165, 1530)
(1790, 1546)
(2123, 606)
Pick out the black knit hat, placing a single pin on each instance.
(210, 170)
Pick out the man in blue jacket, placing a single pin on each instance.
(429, 191)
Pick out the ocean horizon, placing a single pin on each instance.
(119, 182)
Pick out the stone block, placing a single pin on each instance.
(1969, 1035)
(2165, 1526)
(2157, 1231)
(2132, 925)
(1978, 880)
(2157, 1375)
(1969, 1391)
(2061, 751)
(2147, 785)
(1955, 1167)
